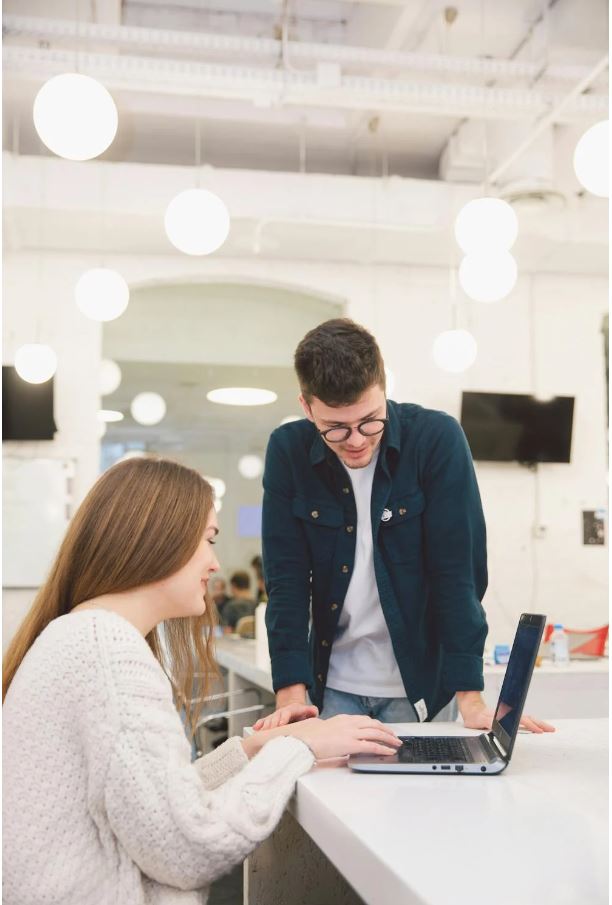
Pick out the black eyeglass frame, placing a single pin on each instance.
(349, 430)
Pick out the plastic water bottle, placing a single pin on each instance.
(558, 646)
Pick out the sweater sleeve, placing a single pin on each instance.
(179, 832)
(221, 764)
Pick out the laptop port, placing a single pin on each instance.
(459, 769)
(446, 768)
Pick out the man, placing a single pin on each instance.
(372, 518)
(219, 595)
(257, 566)
(240, 603)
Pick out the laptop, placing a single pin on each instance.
(481, 754)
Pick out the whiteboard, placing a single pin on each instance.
(36, 509)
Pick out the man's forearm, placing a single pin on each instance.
(292, 694)
(468, 700)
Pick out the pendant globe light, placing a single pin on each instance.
(148, 408)
(592, 160)
(109, 377)
(102, 294)
(75, 116)
(250, 466)
(486, 224)
(454, 350)
(488, 276)
(197, 222)
(217, 484)
(35, 362)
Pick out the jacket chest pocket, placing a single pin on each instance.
(400, 533)
(322, 523)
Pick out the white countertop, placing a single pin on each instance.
(238, 654)
(534, 835)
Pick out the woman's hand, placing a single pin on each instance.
(342, 735)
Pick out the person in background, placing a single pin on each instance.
(257, 566)
(240, 603)
(101, 802)
(219, 595)
(372, 520)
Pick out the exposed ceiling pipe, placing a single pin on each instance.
(241, 47)
(177, 77)
(553, 116)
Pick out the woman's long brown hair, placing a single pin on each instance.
(141, 522)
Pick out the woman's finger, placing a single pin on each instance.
(379, 735)
(374, 748)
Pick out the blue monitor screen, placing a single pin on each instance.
(249, 521)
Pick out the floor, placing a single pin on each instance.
(227, 890)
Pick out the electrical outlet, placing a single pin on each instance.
(539, 531)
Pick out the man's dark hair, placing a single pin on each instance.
(257, 566)
(337, 362)
(241, 580)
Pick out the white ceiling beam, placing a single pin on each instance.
(549, 118)
(265, 87)
(200, 43)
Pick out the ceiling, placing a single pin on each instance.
(413, 88)
(360, 88)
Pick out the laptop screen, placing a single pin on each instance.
(517, 679)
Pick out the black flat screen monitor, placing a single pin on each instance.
(508, 427)
(27, 408)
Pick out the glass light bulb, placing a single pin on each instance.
(102, 294)
(35, 362)
(148, 408)
(486, 224)
(197, 222)
(75, 116)
(592, 160)
(454, 350)
(250, 466)
(488, 277)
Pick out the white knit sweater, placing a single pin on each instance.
(101, 804)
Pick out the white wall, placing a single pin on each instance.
(406, 307)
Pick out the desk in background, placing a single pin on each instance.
(577, 691)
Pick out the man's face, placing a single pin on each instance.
(357, 450)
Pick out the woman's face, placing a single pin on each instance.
(185, 590)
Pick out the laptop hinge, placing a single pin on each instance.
(497, 748)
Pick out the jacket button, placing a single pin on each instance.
(324, 643)
(349, 529)
(333, 607)
(346, 490)
(345, 569)
(315, 513)
(402, 511)
(320, 677)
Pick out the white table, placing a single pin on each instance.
(576, 691)
(535, 835)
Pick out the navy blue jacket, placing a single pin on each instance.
(429, 555)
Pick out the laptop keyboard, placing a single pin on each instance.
(432, 749)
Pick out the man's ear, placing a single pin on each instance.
(305, 408)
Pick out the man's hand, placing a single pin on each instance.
(476, 714)
(291, 707)
(290, 713)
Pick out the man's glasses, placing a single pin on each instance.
(368, 428)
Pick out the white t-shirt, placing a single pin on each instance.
(362, 659)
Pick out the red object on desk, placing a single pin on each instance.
(582, 643)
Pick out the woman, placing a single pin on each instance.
(101, 801)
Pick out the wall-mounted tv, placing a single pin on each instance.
(508, 427)
(27, 408)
